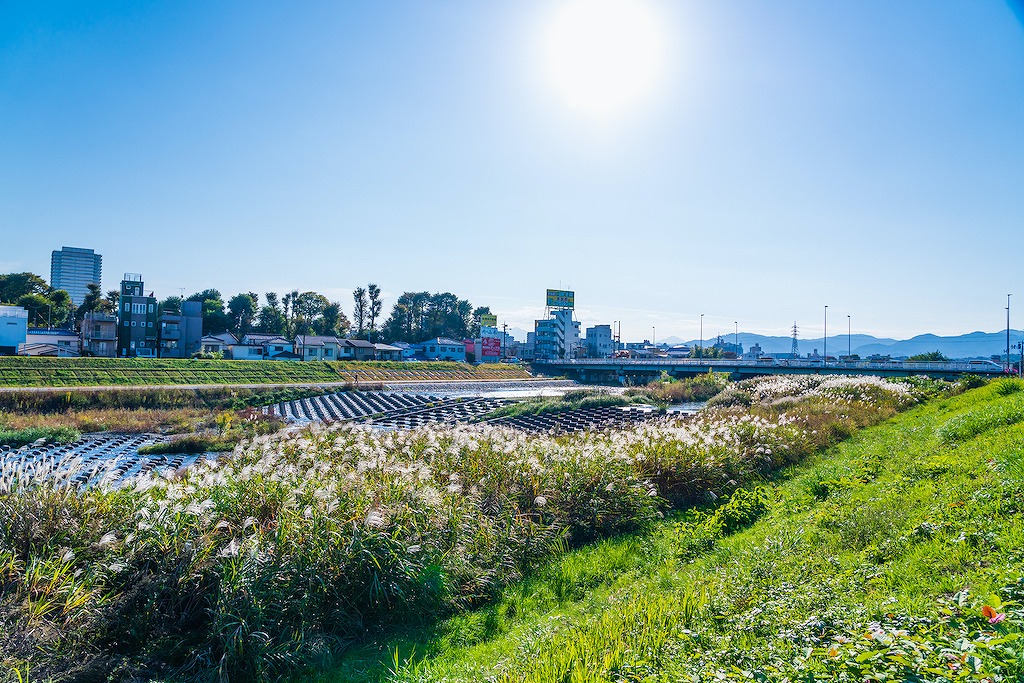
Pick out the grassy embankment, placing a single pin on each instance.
(73, 372)
(213, 418)
(895, 556)
(301, 545)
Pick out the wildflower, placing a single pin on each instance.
(993, 616)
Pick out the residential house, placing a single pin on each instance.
(99, 334)
(180, 334)
(13, 329)
(222, 343)
(357, 349)
(317, 347)
(442, 348)
(387, 352)
(255, 346)
(50, 342)
(137, 333)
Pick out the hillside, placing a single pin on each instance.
(19, 371)
(893, 556)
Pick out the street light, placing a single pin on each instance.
(849, 338)
(736, 339)
(1007, 333)
(700, 349)
(824, 343)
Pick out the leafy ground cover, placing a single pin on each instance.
(895, 556)
(304, 544)
(26, 435)
(17, 371)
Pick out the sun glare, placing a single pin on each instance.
(603, 57)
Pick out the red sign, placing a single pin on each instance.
(490, 346)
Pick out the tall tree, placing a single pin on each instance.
(308, 307)
(373, 292)
(360, 310)
(242, 310)
(92, 302)
(271, 318)
(112, 297)
(215, 320)
(332, 321)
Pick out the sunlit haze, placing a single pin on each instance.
(603, 56)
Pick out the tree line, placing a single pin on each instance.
(414, 317)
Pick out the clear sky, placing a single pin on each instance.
(752, 161)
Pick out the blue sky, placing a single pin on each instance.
(868, 156)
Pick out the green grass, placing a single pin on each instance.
(304, 543)
(16, 371)
(886, 558)
(20, 437)
(571, 400)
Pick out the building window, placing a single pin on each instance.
(151, 308)
(133, 323)
(328, 353)
(127, 307)
(150, 325)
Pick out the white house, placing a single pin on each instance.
(442, 348)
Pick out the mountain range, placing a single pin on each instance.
(970, 345)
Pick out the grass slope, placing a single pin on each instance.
(893, 556)
(16, 371)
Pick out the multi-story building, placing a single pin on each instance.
(13, 329)
(48, 341)
(99, 334)
(180, 333)
(599, 341)
(557, 337)
(73, 269)
(137, 333)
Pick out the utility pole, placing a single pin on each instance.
(736, 339)
(824, 343)
(1007, 333)
(849, 338)
(701, 347)
(504, 326)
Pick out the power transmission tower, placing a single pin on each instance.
(794, 351)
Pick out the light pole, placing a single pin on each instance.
(1007, 333)
(849, 338)
(824, 342)
(654, 337)
(736, 339)
(700, 349)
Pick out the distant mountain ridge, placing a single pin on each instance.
(970, 345)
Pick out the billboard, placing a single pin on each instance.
(561, 298)
(490, 346)
(488, 320)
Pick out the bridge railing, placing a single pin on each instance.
(984, 367)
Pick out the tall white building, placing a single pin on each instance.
(73, 269)
(599, 341)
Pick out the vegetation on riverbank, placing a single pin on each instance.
(302, 542)
(895, 556)
(18, 371)
(26, 435)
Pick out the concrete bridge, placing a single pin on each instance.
(629, 371)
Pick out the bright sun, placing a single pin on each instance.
(603, 56)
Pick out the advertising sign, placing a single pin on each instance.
(490, 346)
(488, 320)
(561, 298)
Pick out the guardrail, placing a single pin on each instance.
(985, 367)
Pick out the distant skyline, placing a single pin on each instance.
(779, 157)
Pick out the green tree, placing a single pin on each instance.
(171, 304)
(13, 286)
(376, 305)
(931, 356)
(360, 310)
(93, 301)
(242, 310)
(332, 321)
(215, 320)
(308, 307)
